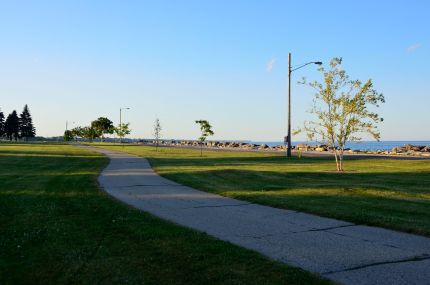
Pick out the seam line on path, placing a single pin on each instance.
(326, 229)
(153, 185)
(362, 239)
(415, 258)
(220, 206)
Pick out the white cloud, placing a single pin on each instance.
(413, 48)
(270, 64)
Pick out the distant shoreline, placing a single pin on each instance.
(407, 151)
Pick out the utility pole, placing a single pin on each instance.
(290, 70)
(120, 122)
(67, 125)
(289, 107)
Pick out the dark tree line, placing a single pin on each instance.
(17, 127)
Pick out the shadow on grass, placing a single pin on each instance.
(232, 160)
(275, 172)
(43, 152)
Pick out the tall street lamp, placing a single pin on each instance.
(120, 122)
(290, 70)
(67, 125)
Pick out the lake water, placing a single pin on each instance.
(365, 145)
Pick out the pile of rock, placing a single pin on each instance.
(306, 147)
(408, 149)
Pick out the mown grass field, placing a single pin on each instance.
(381, 192)
(57, 227)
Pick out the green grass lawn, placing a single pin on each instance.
(57, 227)
(382, 192)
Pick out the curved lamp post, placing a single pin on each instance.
(290, 70)
(67, 125)
(120, 121)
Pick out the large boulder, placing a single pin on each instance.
(408, 147)
(399, 149)
(417, 147)
(263, 146)
(302, 147)
(234, 144)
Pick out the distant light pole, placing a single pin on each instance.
(67, 125)
(290, 70)
(120, 122)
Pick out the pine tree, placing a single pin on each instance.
(12, 126)
(26, 128)
(2, 130)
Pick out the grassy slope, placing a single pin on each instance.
(382, 192)
(56, 227)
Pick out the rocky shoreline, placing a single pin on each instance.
(405, 150)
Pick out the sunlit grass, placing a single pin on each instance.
(382, 192)
(57, 227)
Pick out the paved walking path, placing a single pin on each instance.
(338, 250)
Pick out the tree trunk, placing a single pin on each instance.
(335, 157)
(338, 161)
(341, 160)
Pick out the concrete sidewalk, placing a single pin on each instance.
(341, 251)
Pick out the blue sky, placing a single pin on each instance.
(187, 60)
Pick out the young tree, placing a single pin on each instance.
(206, 130)
(103, 126)
(68, 135)
(12, 126)
(343, 110)
(90, 133)
(157, 133)
(26, 128)
(77, 132)
(122, 130)
(2, 125)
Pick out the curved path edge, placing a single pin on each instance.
(338, 250)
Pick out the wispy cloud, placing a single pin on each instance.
(270, 64)
(413, 47)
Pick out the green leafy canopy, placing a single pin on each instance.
(205, 128)
(344, 109)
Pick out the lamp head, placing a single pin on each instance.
(318, 62)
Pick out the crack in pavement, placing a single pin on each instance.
(362, 239)
(413, 259)
(219, 206)
(280, 214)
(325, 229)
(152, 185)
(256, 237)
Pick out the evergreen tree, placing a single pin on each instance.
(26, 128)
(12, 126)
(2, 130)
